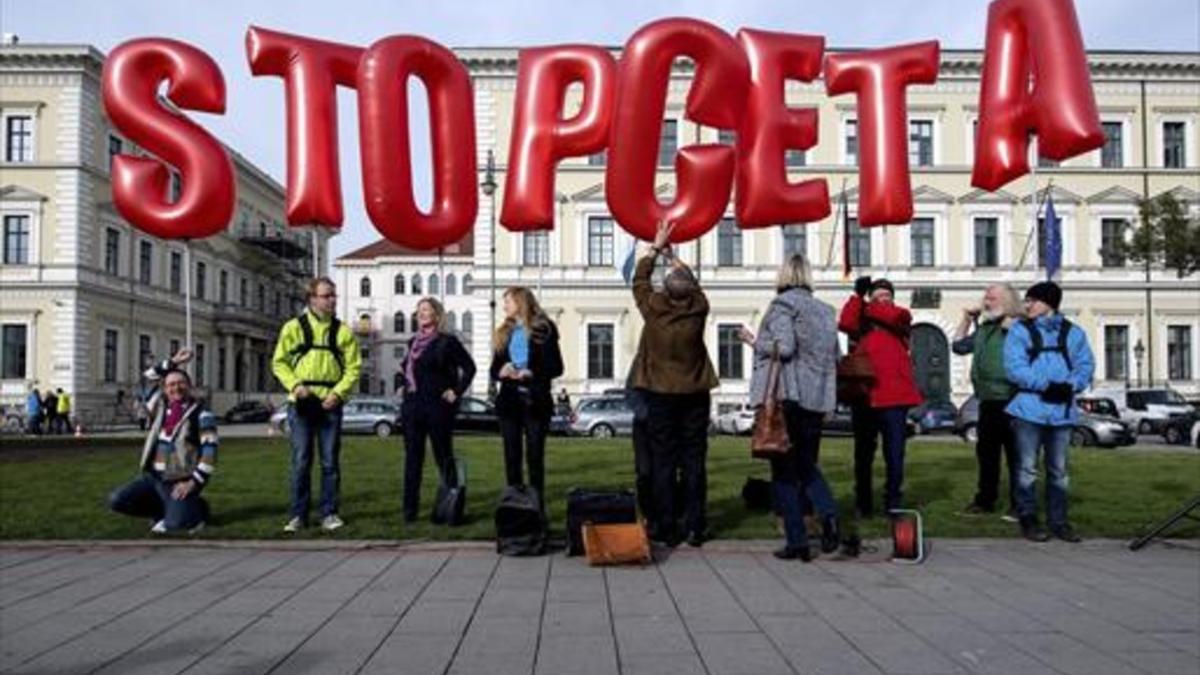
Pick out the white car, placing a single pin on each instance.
(737, 421)
(1148, 410)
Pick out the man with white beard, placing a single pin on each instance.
(991, 321)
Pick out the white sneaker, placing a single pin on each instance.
(160, 527)
(293, 525)
(331, 522)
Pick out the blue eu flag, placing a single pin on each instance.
(1054, 244)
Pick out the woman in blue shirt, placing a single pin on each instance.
(525, 361)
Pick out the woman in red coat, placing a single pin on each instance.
(879, 328)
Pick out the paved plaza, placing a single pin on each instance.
(975, 606)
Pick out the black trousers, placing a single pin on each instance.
(435, 422)
(995, 437)
(678, 425)
(530, 426)
(643, 462)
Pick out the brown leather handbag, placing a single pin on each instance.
(855, 377)
(616, 544)
(770, 430)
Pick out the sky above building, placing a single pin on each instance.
(254, 122)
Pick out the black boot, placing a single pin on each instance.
(792, 553)
(1032, 531)
(830, 534)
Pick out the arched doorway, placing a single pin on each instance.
(931, 361)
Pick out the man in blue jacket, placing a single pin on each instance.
(1049, 361)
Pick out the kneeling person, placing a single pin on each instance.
(179, 456)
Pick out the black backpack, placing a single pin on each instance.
(1038, 346)
(307, 345)
(520, 525)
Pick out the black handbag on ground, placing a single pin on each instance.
(450, 507)
(520, 524)
(599, 507)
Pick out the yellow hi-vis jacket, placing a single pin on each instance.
(318, 368)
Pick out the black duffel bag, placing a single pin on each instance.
(520, 524)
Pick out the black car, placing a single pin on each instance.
(248, 411)
(839, 423)
(477, 416)
(1178, 428)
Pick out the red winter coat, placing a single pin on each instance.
(881, 331)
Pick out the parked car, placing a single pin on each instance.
(1098, 423)
(379, 416)
(560, 421)
(249, 411)
(1148, 410)
(476, 415)
(1196, 434)
(933, 417)
(1179, 428)
(737, 421)
(601, 417)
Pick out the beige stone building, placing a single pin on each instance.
(85, 298)
(960, 239)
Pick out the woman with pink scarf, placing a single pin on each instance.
(435, 374)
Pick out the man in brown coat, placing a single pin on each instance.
(673, 369)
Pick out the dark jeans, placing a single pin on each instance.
(433, 421)
(1053, 441)
(995, 436)
(35, 424)
(891, 424)
(529, 426)
(796, 480)
(150, 497)
(643, 463)
(678, 425)
(325, 430)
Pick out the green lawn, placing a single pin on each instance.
(62, 495)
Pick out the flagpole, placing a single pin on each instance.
(1034, 206)
(836, 217)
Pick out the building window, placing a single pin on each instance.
(668, 143)
(260, 371)
(860, 244)
(173, 348)
(175, 187)
(278, 304)
(12, 357)
(112, 250)
(243, 293)
(222, 356)
(852, 142)
(223, 287)
(920, 143)
(1116, 352)
(729, 352)
(18, 138)
(466, 284)
(987, 242)
(398, 284)
(600, 351)
(176, 272)
(16, 240)
(600, 241)
(451, 285)
(794, 158)
(1179, 352)
(535, 248)
(795, 240)
(110, 355)
(726, 137)
(145, 354)
(729, 244)
(200, 365)
(201, 279)
(398, 321)
(435, 284)
(1112, 236)
(114, 148)
(416, 284)
(468, 327)
(364, 287)
(262, 298)
(145, 261)
(413, 324)
(1174, 155)
(921, 240)
(452, 322)
(598, 158)
(1111, 155)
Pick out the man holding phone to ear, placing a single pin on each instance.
(673, 370)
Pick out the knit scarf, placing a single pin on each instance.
(175, 410)
(419, 344)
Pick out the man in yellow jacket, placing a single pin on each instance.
(62, 413)
(317, 361)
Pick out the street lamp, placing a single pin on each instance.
(489, 188)
(1139, 352)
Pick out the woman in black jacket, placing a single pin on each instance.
(525, 360)
(435, 374)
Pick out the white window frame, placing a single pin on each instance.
(843, 158)
(26, 320)
(1164, 324)
(32, 209)
(33, 112)
(118, 366)
(810, 240)
(941, 248)
(619, 368)
(935, 121)
(1095, 232)
(1131, 323)
(1189, 139)
(1126, 122)
(1003, 216)
(878, 252)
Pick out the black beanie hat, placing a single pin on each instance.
(883, 283)
(1046, 291)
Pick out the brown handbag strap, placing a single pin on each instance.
(773, 373)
